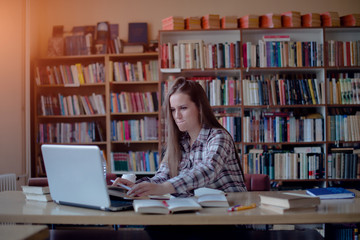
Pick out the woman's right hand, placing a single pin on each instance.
(123, 181)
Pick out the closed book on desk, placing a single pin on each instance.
(283, 210)
(330, 193)
(288, 200)
(208, 197)
(35, 189)
(38, 197)
(151, 206)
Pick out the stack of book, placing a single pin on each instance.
(330, 19)
(270, 20)
(37, 193)
(291, 19)
(229, 22)
(210, 21)
(173, 23)
(350, 20)
(249, 21)
(192, 23)
(288, 202)
(311, 20)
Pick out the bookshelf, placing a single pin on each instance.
(73, 108)
(272, 95)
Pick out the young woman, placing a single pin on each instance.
(199, 151)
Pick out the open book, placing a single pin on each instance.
(165, 206)
(208, 197)
(122, 193)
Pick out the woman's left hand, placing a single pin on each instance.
(146, 188)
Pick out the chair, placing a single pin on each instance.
(257, 182)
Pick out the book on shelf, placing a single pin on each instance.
(288, 200)
(284, 210)
(193, 23)
(330, 19)
(173, 205)
(291, 19)
(208, 197)
(249, 21)
(173, 23)
(311, 20)
(228, 22)
(270, 20)
(138, 33)
(133, 48)
(350, 20)
(210, 21)
(330, 193)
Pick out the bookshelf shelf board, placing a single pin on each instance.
(77, 143)
(297, 180)
(342, 105)
(134, 55)
(343, 179)
(135, 83)
(136, 114)
(282, 143)
(136, 142)
(283, 106)
(135, 172)
(71, 86)
(72, 117)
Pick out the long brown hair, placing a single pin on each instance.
(206, 116)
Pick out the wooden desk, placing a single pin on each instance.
(29, 232)
(14, 208)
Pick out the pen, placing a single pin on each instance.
(121, 185)
(239, 207)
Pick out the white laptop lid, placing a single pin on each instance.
(75, 175)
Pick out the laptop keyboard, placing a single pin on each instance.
(120, 203)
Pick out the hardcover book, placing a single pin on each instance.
(208, 197)
(288, 199)
(138, 33)
(330, 193)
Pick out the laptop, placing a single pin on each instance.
(76, 177)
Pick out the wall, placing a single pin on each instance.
(82, 12)
(12, 80)
(46, 13)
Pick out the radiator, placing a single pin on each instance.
(7, 182)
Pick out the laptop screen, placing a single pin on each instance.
(75, 175)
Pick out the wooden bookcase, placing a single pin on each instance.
(51, 125)
(247, 105)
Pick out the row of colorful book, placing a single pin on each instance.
(349, 231)
(145, 161)
(283, 53)
(280, 127)
(72, 105)
(343, 88)
(132, 102)
(79, 132)
(284, 165)
(282, 90)
(135, 130)
(197, 55)
(232, 125)
(344, 127)
(343, 53)
(343, 166)
(135, 72)
(269, 20)
(219, 90)
(75, 74)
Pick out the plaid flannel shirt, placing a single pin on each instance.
(210, 162)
